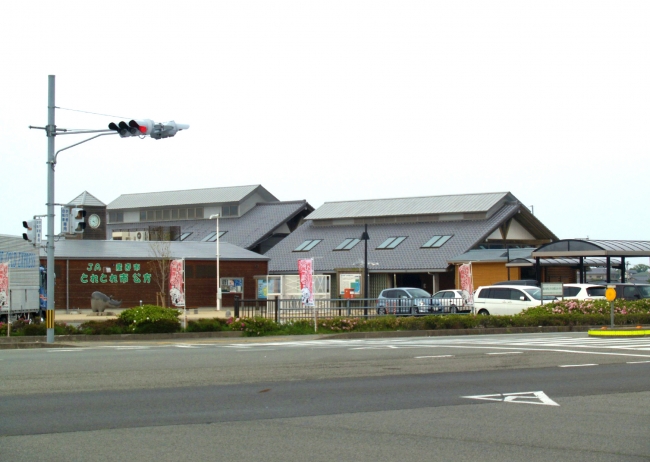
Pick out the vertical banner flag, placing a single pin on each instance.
(466, 281)
(306, 273)
(4, 285)
(177, 282)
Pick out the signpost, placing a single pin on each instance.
(552, 288)
(610, 295)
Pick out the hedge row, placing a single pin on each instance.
(155, 319)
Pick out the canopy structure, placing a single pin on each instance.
(582, 248)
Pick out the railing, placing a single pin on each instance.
(283, 310)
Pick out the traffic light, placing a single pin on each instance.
(30, 234)
(147, 127)
(140, 127)
(77, 220)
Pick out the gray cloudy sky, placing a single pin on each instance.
(339, 100)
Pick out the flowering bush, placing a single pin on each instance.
(602, 307)
(253, 326)
(150, 319)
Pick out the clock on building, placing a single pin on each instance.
(94, 220)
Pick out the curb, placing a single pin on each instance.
(70, 340)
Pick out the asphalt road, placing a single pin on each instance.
(519, 397)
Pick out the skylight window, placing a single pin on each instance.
(183, 236)
(435, 242)
(212, 237)
(391, 242)
(307, 245)
(347, 244)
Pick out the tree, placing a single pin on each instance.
(641, 268)
(159, 267)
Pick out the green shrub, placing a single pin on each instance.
(207, 325)
(150, 319)
(108, 327)
(252, 327)
(161, 326)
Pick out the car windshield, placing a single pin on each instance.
(419, 293)
(644, 291)
(537, 293)
(596, 291)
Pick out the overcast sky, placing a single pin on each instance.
(338, 100)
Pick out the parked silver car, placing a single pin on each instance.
(405, 300)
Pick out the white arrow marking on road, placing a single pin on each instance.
(527, 397)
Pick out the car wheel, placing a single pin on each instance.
(414, 311)
(453, 309)
(381, 310)
(483, 313)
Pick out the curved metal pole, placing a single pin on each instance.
(80, 142)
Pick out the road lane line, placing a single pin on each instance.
(638, 362)
(578, 365)
(507, 353)
(438, 356)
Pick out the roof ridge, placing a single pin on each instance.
(187, 190)
(418, 197)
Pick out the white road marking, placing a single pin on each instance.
(638, 362)
(439, 356)
(527, 397)
(57, 350)
(578, 365)
(506, 353)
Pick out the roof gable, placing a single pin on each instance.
(87, 199)
(189, 197)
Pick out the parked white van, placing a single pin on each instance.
(502, 299)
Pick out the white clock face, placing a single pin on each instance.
(94, 221)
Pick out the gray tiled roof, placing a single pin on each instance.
(245, 231)
(408, 256)
(188, 197)
(461, 203)
(87, 199)
(101, 250)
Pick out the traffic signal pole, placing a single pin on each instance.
(139, 128)
(51, 133)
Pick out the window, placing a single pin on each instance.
(212, 237)
(347, 244)
(307, 245)
(571, 291)
(183, 236)
(174, 214)
(229, 210)
(232, 285)
(435, 242)
(143, 215)
(166, 214)
(116, 217)
(150, 215)
(391, 242)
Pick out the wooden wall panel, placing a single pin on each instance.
(132, 280)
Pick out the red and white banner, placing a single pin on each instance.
(177, 282)
(466, 281)
(306, 274)
(4, 285)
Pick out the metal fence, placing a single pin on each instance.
(283, 310)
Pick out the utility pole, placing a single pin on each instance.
(50, 130)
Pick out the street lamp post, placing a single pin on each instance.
(366, 278)
(213, 217)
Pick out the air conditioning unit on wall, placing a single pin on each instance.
(139, 235)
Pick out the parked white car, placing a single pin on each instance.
(507, 300)
(452, 301)
(584, 291)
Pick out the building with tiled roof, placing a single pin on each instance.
(411, 240)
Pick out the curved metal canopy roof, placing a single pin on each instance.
(593, 248)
